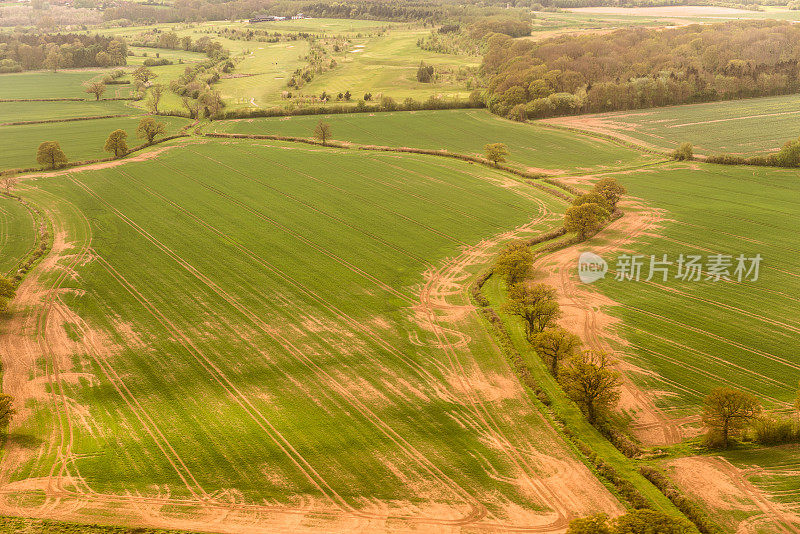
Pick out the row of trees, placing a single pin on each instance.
(23, 51)
(51, 156)
(587, 376)
(639, 67)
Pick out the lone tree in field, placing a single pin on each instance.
(8, 184)
(143, 75)
(514, 263)
(589, 380)
(117, 143)
(684, 152)
(97, 89)
(726, 412)
(156, 91)
(554, 346)
(322, 131)
(496, 152)
(7, 292)
(611, 190)
(50, 155)
(585, 220)
(7, 410)
(536, 304)
(149, 129)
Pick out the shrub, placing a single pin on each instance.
(683, 153)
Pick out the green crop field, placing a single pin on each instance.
(80, 140)
(62, 84)
(41, 111)
(288, 332)
(753, 126)
(17, 234)
(737, 332)
(464, 131)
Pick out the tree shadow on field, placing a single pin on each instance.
(27, 441)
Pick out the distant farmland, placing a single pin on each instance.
(747, 127)
(531, 146)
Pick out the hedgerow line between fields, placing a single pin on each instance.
(478, 511)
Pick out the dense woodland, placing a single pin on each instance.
(20, 51)
(639, 68)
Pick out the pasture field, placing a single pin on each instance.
(748, 127)
(17, 234)
(263, 333)
(80, 140)
(465, 131)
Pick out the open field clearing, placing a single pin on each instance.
(262, 73)
(80, 140)
(464, 131)
(752, 126)
(285, 343)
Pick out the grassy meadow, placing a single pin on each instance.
(17, 234)
(466, 131)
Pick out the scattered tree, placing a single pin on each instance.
(726, 412)
(143, 75)
(149, 129)
(514, 263)
(554, 346)
(496, 152)
(211, 103)
(536, 304)
(589, 380)
(117, 143)
(8, 183)
(322, 132)
(424, 73)
(585, 220)
(611, 190)
(7, 410)
(156, 91)
(50, 155)
(96, 88)
(683, 153)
